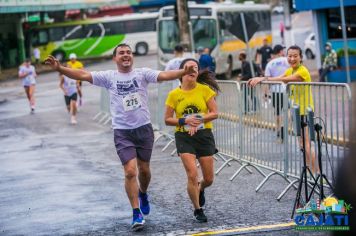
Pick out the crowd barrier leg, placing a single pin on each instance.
(107, 120)
(169, 142)
(97, 115)
(269, 176)
(292, 184)
(106, 116)
(174, 152)
(244, 166)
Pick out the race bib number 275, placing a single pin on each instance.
(132, 101)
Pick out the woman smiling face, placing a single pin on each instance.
(294, 57)
(193, 76)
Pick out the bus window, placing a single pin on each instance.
(146, 25)
(168, 36)
(95, 30)
(40, 38)
(111, 28)
(204, 31)
(74, 32)
(56, 34)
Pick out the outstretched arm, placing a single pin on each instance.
(71, 73)
(175, 74)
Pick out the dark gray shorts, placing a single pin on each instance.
(134, 143)
(200, 144)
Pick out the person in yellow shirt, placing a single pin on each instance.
(75, 64)
(194, 106)
(300, 95)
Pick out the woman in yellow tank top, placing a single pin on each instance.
(194, 106)
(300, 94)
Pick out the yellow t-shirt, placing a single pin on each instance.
(190, 102)
(75, 65)
(301, 94)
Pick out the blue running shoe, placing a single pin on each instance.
(144, 203)
(137, 222)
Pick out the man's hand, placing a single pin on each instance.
(189, 69)
(52, 62)
(254, 81)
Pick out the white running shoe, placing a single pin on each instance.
(73, 121)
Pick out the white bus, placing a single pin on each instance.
(96, 37)
(211, 26)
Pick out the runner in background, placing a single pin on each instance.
(28, 75)
(70, 90)
(75, 64)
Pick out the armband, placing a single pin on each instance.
(181, 121)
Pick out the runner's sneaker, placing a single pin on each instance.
(137, 220)
(32, 110)
(201, 198)
(200, 216)
(144, 203)
(73, 121)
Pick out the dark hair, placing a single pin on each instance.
(242, 55)
(179, 48)
(204, 76)
(295, 47)
(120, 45)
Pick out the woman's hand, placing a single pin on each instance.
(254, 81)
(193, 121)
(192, 130)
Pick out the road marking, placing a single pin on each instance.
(244, 229)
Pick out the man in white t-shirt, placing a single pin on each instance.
(133, 133)
(276, 67)
(175, 62)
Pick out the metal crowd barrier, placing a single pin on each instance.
(331, 103)
(157, 99)
(247, 131)
(103, 116)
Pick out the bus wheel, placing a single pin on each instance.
(228, 72)
(59, 55)
(141, 49)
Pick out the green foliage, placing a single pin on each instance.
(351, 51)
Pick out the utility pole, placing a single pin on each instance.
(182, 10)
(288, 36)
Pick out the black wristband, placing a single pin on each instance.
(181, 121)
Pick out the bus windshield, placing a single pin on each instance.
(204, 34)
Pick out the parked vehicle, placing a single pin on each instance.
(309, 46)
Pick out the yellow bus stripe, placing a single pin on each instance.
(251, 228)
